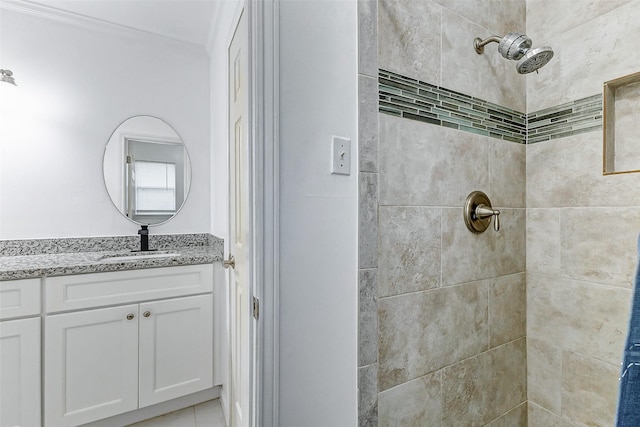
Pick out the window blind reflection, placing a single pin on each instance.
(155, 185)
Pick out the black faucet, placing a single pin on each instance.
(144, 237)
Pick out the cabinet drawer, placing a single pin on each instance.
(19, 298)
(120, 287)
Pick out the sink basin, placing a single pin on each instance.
(136, 256)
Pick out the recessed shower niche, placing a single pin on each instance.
(621, 124)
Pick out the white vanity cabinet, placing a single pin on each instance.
(20, 353)
(152, 343)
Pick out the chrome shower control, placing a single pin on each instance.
(478, 212)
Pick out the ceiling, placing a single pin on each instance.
(185, 20)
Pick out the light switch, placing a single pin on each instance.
(341, 156)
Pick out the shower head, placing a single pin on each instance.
(534, 59)
(517, 47)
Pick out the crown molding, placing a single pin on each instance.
(88, 23)
(214, 28)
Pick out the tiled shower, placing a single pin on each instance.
(520, 327)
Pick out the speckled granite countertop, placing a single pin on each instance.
(24, 259)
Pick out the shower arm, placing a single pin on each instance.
(479, 44)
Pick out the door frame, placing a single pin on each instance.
(263, 258)
(263, 138)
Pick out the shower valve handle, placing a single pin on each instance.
(484, 212)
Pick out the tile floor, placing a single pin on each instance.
(207, 414)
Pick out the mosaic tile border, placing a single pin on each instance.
(572, 118)
(413, 99)
(403, 96)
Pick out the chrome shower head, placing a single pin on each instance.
(534, 59)
(517, 47)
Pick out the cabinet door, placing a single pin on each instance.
(20, 373)
(91, 365)
(176, 348)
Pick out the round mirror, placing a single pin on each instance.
(146, 170)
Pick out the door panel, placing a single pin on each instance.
(176, 348)
(239, 226)
(91, 365)
(20, 373)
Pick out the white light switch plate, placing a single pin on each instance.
(341, 156)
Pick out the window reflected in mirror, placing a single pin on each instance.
(147, 170)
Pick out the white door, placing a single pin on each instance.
(239, 224)
(176, 348)
(91, 365)
(20, 373)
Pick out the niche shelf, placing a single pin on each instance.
(621, 125)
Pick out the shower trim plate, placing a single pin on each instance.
(478, 212)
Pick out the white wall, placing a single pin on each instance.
(318, 221)
(77, 83)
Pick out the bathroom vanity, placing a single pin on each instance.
(119, 330)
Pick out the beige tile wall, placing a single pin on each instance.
(581, 226)
(367, 213)
(451, 318)
(594, 41)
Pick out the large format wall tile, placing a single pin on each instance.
(540, 417)
(612, 259)
(409, 249)
(368, 396)
(544, 374)
(367, 317)
(507, 172)
(567, 172)
(467, 256)
(478, 390)
(589, 390)
(368, 123)
(507, 309)
(409, 38)
(424, 331)
(549, 18)
(422, 164)
(587, 55)
(416, 403)
(368, 37)
(543, 240)
(515, 418)
(507, 16)
(544, 88)
(367, 220)
(588, 318)
(476, 11)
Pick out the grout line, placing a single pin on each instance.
(451, 286)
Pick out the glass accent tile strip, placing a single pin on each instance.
(571, 118)
(413, 99)
(416, 100)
